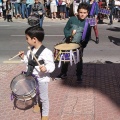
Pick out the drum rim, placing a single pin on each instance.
(24, 97)
(29, 91)
(68, 43)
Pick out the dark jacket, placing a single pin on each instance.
(111, 4)
(8, 6)
(75, 24)
(38, 8)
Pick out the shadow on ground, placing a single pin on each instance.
(114, 40)
(105, 78)
(115, 29)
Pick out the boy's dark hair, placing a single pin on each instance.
(35, 31)
(83, 6)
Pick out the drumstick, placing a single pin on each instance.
(73, 33)
(57, 55)
(34, 56)
(15, 56)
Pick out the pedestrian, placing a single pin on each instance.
(53, 8)
(93, 13)
(17, 6)
(111, 7)
(9, 11)
(62, 9)
(76, 23)
(24, 10)
(4, 10)
(68, 3)
(39, 10)
(34, 37)
(29, 6)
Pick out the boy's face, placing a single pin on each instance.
(29, 40)
(82, 13)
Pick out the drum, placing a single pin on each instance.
(104, 11)
(33, 20)
(91, 21)
(67, 52)
(23, 87)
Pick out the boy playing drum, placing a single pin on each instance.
(34, 37)
(76, 23)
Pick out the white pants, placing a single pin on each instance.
(43, 93)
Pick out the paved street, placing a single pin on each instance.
(97, 98)
(12, 38)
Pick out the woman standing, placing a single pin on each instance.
(53, 8)
(62, 5)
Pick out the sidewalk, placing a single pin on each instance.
(98, 98)
(46, 19)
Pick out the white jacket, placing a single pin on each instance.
(47, 57)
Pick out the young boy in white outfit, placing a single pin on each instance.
(34, 37)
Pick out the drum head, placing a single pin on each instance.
(22, 85)
(67, 46)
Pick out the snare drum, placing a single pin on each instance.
(33, 20)
(23, 87)
(67, 52)
(91, 21)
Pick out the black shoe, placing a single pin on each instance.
(79, 79)
(118, 20)
(97, 40)
(61, 76)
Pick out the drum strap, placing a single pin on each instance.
(92, 9)
(32, 63)
(85, 30)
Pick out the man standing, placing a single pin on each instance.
(111, 7)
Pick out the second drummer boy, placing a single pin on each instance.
(76, 23)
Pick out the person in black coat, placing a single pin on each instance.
(9, 11)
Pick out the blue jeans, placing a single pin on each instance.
(24, 10)
(67, 12)
(17, 8)
(41, 21)
(29, 7)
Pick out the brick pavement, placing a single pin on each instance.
(97, 98)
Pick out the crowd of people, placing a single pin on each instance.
(54, 9)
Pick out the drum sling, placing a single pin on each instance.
(92, 9)
(32, 63)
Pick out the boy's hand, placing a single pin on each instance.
(21, 54)
(43, 68)
(68, 39)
